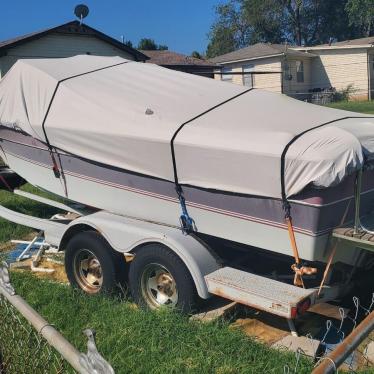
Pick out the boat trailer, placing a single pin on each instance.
(125, 235)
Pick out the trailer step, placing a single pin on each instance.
(258, 292)
(361, 239)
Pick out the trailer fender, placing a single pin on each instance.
(126, 235)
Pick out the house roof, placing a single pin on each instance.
(168, 58)
(353, 42)
(259, 50)
(75, 28)
(345, 44)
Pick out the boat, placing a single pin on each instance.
(163, 146)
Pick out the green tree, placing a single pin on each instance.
(128, 43)
(302, 22)
(147, 44)
(162, 47)
(196, 54)
(361, 14)
(229, 31)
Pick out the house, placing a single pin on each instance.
(345, 63)
(180, 62)
(286, 70)
(66, 40)
(300, 71)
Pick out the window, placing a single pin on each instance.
(299, 71)
(226, 76)
(248, 78)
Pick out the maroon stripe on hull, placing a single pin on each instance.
(312, 219)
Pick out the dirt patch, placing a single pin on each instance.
(58, 275)
(262, 326)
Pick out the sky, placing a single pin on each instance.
(182, 25)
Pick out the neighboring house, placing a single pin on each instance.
(305, 69)
(287, 70)
(180, 62)
(65, 40)
(345, 63)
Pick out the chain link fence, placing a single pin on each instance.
(22, 349)
(31, 345)
(346, 345)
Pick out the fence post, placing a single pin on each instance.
(330, 363)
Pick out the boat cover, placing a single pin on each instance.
(125, 114)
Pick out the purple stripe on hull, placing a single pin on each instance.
(316, 220)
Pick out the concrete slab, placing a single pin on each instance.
(292, 343)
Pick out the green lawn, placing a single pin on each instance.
(137, 341)
(9, 230)
(355, 106)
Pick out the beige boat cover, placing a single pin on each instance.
(125, 114)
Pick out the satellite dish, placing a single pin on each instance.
(81, 11)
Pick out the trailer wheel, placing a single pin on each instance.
(158, 277)
(91, 264)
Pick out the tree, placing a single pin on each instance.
(162, 47)
(147, 44)
(302, 22)
(150, 45)
(361, 15)
(196, 54)
(229, 31)
(128, 43)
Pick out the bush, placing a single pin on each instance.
(343, 94)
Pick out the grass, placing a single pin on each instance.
(140, 341)
(134, 340)
(355, 106)
(9, 230)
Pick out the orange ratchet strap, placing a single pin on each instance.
(297, 267)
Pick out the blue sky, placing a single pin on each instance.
(181, 24)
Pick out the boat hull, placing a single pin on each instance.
(251, 220)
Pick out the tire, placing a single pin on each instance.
(155, 264)
(92, 265)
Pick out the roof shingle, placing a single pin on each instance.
(167, 57)
(259, 50)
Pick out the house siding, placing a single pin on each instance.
(291, 86)
(60, 45)
(341, 68)
(270, 82)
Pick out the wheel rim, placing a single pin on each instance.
(88, 271)
(158, 286)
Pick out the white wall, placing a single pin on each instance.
(60, 45)
(341, 67)
(270, 82)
